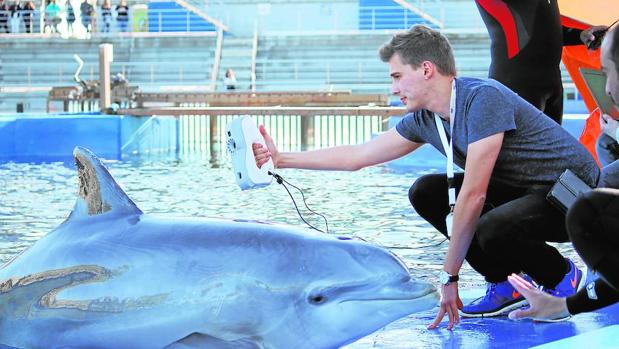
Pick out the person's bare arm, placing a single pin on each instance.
(387, 146)
(480, 160)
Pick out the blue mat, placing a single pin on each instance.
(607, 337)
(598, 329)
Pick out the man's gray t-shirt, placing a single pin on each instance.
(535, 149)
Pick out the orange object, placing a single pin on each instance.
(594, 12)
(582, 14)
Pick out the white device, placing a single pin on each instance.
(241, 134)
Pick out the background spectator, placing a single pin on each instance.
(106, 15)
(52, 16)
(4, 17)
(70, 18)
(15, 17)
(26, 14)
(86, 10)
(93, 18)
(230, 79)
(122, 15)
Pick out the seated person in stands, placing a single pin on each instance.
(593, 226)
(501, 218)
(230, 80)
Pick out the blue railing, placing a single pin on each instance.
(387, 17)
(158, 17)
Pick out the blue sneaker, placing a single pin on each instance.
(500, 298)
(571, 283)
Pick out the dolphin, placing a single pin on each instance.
(111, 276)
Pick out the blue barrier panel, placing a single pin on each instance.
(54, 137)
(168, 16)
(7, 136)
(386, 14)
(36, 138)
(141, 135)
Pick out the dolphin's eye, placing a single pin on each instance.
(317, 299)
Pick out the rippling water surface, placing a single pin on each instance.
(371, 204)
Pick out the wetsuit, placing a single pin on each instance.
(593, 227)
(526, 44)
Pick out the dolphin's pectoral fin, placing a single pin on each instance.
(98, 191)
(198, 340)
(21, 297)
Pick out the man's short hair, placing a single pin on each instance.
(419, 44)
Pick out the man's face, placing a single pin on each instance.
(407, 83)
(610, 69)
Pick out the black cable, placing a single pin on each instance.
(416, 247)
(283, 182)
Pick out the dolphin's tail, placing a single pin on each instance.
(98, 191)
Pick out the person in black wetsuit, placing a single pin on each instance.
(593, 227)
(526, 44)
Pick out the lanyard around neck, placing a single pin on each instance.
(449, 146)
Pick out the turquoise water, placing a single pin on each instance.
(371, 204)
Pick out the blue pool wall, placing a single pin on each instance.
(52, 137)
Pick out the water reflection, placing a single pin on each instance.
(371, 204)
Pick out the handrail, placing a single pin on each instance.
(217, 62)
(217, 23)
(80, 65)
(420, 13)
(301, 111)
(254, 55)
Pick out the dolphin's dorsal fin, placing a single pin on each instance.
(98, 191)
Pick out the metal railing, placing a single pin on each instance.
(392, 17)
(207, 133)
(140, 20)
(22, 21)
(33, 74)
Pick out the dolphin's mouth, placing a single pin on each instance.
(374, 291)
(431, 296)
(390, 294)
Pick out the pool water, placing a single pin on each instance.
(371, 204)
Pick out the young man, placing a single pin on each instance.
(511, 157)
(593, 226)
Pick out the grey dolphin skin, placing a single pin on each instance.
(111, 276)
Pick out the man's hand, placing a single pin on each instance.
(587, 37)
(609, 126)
(262, 154)
(542, 306)
(450, 303)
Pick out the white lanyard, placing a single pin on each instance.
(449, 151)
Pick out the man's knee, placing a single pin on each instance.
(419, 192)
(491, 232)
